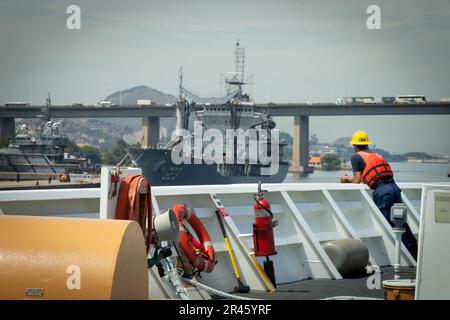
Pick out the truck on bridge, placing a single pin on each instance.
(145, 103)
(350, 100)
(410, 99)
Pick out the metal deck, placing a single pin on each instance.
(343, 289)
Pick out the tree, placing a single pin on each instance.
(286, 138)
(117, 153)
(71, 147)
(4, 142)
(331, 162)
(90, 152)
(342, 141)
(313, 141)
(287, 150)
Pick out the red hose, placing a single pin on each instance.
(134, 205)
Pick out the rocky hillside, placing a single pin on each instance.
(130, 96)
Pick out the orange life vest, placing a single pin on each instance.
(376, 168)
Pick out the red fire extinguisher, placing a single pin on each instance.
(263, 238)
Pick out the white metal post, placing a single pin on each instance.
(398, 242)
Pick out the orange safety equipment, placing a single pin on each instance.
(263, 238)
(200, 253)
(134, 202)
(376, 168)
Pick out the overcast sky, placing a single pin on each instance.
(297, 50)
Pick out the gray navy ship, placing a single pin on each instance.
(234, 111)
(40, 150)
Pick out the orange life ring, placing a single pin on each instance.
(200, 254)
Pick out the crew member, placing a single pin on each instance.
(373, 170)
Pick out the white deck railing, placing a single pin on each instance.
(308, 215)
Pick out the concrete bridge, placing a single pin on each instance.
(150, 126)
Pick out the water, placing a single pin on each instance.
(403, 172)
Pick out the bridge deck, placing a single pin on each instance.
(288, 109)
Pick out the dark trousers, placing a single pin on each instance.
(384, 196)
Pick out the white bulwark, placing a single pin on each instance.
(308, 216)
(433, 278)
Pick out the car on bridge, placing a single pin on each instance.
(104, 104)
(388, 99)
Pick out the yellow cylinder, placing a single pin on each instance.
(66, 258)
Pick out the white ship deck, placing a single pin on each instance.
(308, 215)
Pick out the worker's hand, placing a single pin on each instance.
(345, 179)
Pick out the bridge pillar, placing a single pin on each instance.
(300, 148)
(150, 132)
(7, 127)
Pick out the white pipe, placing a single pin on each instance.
(398, 242)
(220, 293)
(179, 120)
(350, 298)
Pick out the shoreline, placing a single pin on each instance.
(349, 167)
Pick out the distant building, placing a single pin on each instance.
(328, 150)
(414, 160)
(315, 162)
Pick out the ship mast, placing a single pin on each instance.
(46, 109)
(240, 64)
(180, 88)
(182, 111)
(178, 114)
(237, 78)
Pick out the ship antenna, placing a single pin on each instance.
(236, 57)
(46, 109)
(180, 111)
(239, 64)
(180, 94)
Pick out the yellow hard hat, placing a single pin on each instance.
(360, 138)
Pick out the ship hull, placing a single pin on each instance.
(157, 166)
